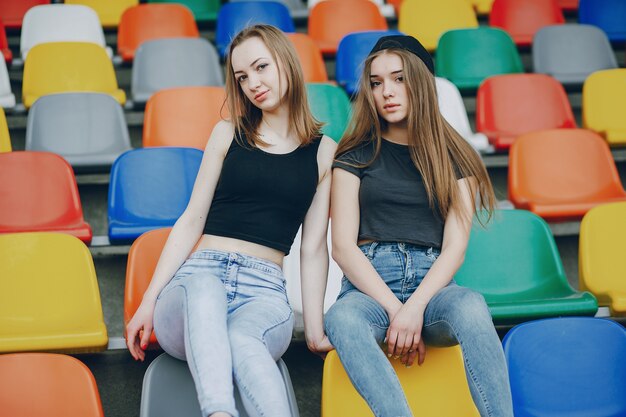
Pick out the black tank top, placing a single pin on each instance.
(263, 197)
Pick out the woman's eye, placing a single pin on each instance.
(400, 79)
(375, 83)
(261, 67)
(241, 78)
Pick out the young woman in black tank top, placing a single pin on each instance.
(217, 297)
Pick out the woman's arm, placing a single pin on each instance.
(184, 235)
(345, 228)
(314, 253)
(404, 333)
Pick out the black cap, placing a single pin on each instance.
(408, 43)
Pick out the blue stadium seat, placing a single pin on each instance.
(149, 189)
(608, 15)
(570, 366)
(233, 17)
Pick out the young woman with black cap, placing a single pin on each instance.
(405, 188)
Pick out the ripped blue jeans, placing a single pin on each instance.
(356, 325)
(228, 316)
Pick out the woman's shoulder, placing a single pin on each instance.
(326, 151)
(360, 153)
(221, 136)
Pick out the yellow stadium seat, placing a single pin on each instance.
(437, 388)
(427, 20)
(5, 139)
(482, 6)
(601, 257)
(61, 67)
(109, 11)
(49, 296)
(604, 99)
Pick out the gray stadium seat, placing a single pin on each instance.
(168, 390)
(174, 62)
(87, 129)
(571, 52)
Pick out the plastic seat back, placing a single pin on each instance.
(5, 139)
(233, 17)
(331, 106)
(87, 129)
(523, 18)
(110, 11)
(13, 11)
(513, 104)
(482, 7)
(427, 388)
(62, 67)
(149, 189)
(4, 44)
(604, 96)
(566, 367)
(169, 390)
(49, 296)
(176, 62)
(602, 242)
(310, 57)
(427, 20)
(331, 20)
(203, 10)
(40, 384)
(608, 15)
(569, 5)
(570, 53)
(147, 22)
(7, 98)
(39, 193)
(468, 56)
(61, 23)
(351, 53)
(531, 283)
(561, 174)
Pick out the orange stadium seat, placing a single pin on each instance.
(523, 18)
(310, 57)
(568, 4)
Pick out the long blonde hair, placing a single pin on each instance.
(435, 147)
(246, 116)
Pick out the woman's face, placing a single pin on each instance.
(387, 82)
(258, 74)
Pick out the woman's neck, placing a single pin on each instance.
(397, 132)
(278, 121)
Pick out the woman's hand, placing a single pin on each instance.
(319, 345)
(404, 335)
(139, 329)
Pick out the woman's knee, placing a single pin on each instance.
(469, 309)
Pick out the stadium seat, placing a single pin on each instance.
(147, 22)
(602, 243)
(482, 7)
(183, 116)
(515, 264)
(569, 5)
(331, 20)
(109, 11)
(87, 129)
(331, 106)
(61, 23)
(452, 108)
(352, 51)
(149, 189)
(169, 390)
(235, 16)
(604, 97)
(572, 366)
(310, 57)
(13, 11)
(4, 44)
(203, 10)
(468, 56)
(428, 388)
(523, 18)
(513, 104)
(62, 67)
(428, 20)
(37, 384)
(176, 62)
(570, 53)
(39, 193)
(5, 138)
(608, 15)
(50, 296)
(560, 174)
(7, 98)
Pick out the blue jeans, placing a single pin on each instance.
(356, 325)
(228, 316)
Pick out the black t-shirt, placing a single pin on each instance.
(392, 198)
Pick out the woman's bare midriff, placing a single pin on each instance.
(229, 244)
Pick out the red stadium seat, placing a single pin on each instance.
(523, 18)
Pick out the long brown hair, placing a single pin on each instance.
(435, 147)
(246, 116)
